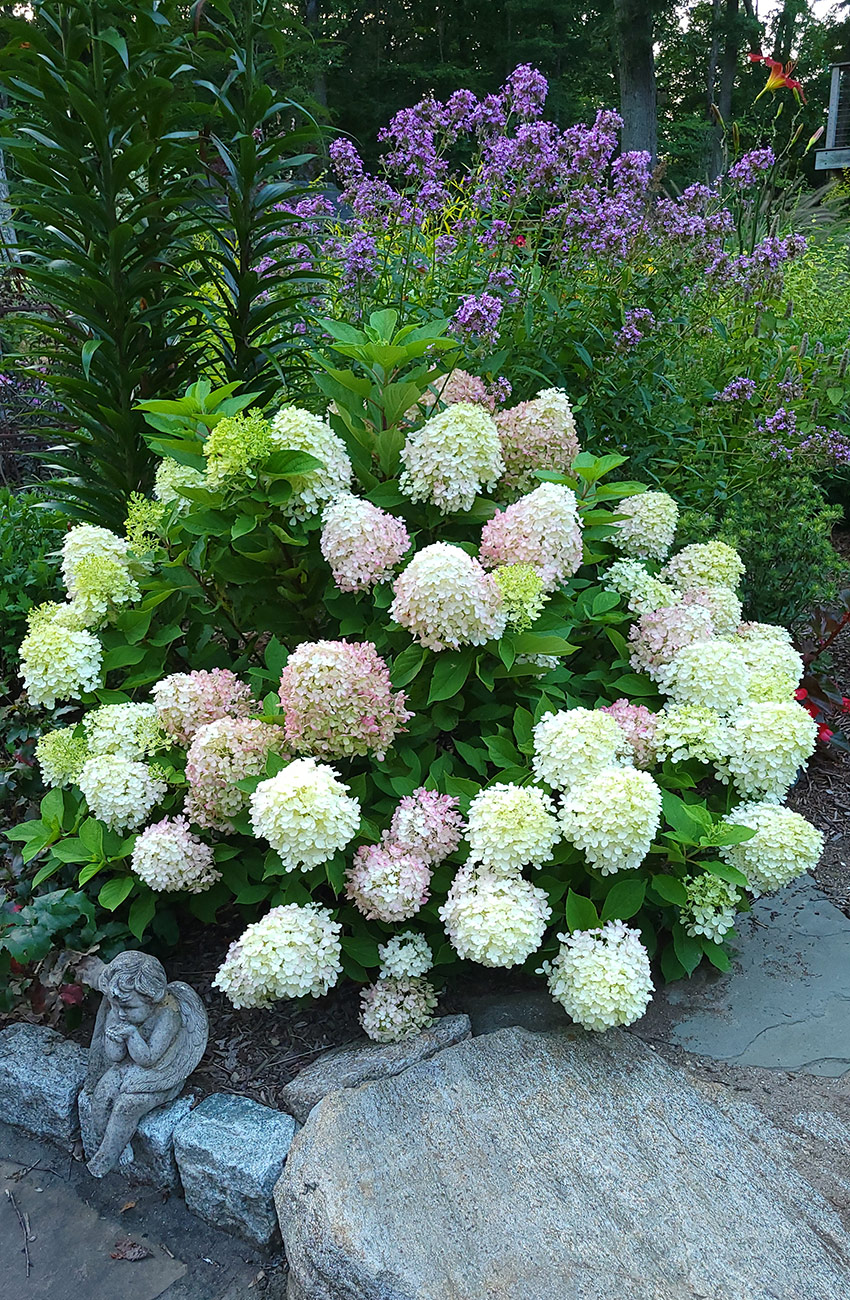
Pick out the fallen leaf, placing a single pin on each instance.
(128, 1205)
(130, 1250)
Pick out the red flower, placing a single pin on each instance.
(779, 78)
(755, 56)
(824, 734)
(845, 704)
(519, 241)
(71, 994)
(801, 693)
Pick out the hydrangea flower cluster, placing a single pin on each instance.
(387, 882)
(784, 846)
(511, 827)
(601, 977)
(445, 599)
(705, 564)
(452, 457)
(361, 543)
(639, 726)
(774, 666)
(185, 702)
(221, 754)
(722, 604)
(649, 526)
(120, 791)
(294, 429)
(237, 446)
(708, 674)
(131, 730)
(306, 814)
(764, 747)
(711, 907)
(428, 825)
(641, 591)
(690, 731)
(338, 701)
(574, 745)
(96, 571)
(293, 951)
(397, 1007)
(61, 755)
(523, 597)
(494, 920)
(60, 660)
(660, 634)
(539, 434)
(168, 857)
(613, 818)
(405, 955)
(171, 479)
(542, 529)
(460, 386)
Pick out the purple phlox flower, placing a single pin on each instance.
(477, 317)
(781, 423)
(746, 171)
(526, 90)
(741, 389)
(637, 323)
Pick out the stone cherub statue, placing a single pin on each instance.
(148, 1038)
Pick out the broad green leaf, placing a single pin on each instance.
(142, 913)
(406, 665)
(688, 950)
(624, 900)
(671, 889)
(581, 913)
(451, 670)
(114, 891)
(724, 871)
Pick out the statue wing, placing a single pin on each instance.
(195, 1023)
(97, 1062)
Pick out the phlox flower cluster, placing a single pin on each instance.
(601, 977)
(168, 857)
(405, 955)
(660, 634)
(511, 827)
(170, 480)
(185, 702)
(293, 951)
(574, 745)
(397, 1007)
(765, 746)
(710, 674)
(338, 702)
(60, 659)
(639, 726)
(690, 731)
(538, 434)
(120, 791)
(452, 457)
(428, 825)
(542, 529)
(642, 592)
(494, 920)
(222, 753)
(722, 604)
(306, 814)
(784, 846)
(711, 907)
(294, 429)
(387, 882)
(613, 818)
(445, 599)
(705, 564)
(131, 730)
(361, 543)
(61, 755)
(649, 526)
(523, 597)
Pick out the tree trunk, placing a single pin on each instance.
(638, 103)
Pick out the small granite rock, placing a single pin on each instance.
(230, 1152)
(41, 1074)
(149, 1158)
(523, 1166)
(346, 1067)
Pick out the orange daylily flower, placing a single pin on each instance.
(779, 77)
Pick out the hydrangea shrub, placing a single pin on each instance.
(412, 684)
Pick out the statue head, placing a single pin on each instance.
(134, 982)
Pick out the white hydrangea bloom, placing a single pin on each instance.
(765, 746)
(649, 526)
(171, 478)
(294, 429)
(709, 675)
(690, 731)
(397, 1008)
(60, 659)
(573, 745)
(131, 730)
(784, 846)
(445, 599)
(120, 791)
(494, 920)
(85, 540)
(306, 814)
(601, 977)
(722, 604)
(774, 665)
(96, 571)
(642, 592)
(406, 955)
(511, 827)
(711, 907)
(452, 457)
(764, 631)
(613, 818)
(293, 951)
(61, 756)
(705, 564)
(168, 857)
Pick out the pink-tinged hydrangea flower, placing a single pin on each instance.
(601, 977)
(445, 599)
(396, 1008)
(387, 882)
(222, 753)
(452, 458)
(293, 951)
(338, 701)
(649, 526)
(428, 825)
(185, 702)
(639, 725)
(306, 814)
(660, 634)
(542, 529)
(168, 857)
(460, 386)
(494, 920)
(361, 543)
(540, 434)
(722, 604)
